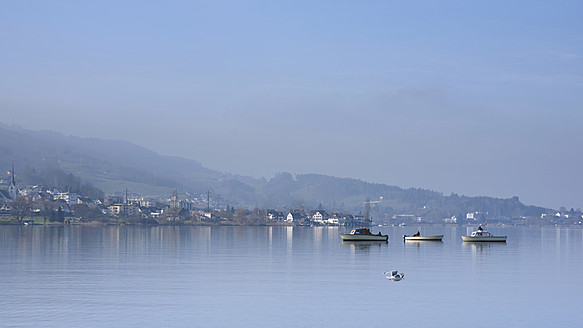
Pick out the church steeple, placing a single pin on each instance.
(12, 174)
(12, 191)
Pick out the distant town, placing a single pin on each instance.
(49, 205)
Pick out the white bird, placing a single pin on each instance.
(393, 275)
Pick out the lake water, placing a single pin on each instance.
(85, 276)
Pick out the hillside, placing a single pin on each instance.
(114, 165)
(109, 164)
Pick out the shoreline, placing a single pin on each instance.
(14, 222)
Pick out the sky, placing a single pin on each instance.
(472, 97)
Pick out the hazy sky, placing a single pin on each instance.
(473, 97)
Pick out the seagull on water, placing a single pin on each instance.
(393, 275)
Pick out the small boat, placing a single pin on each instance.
(483, 235)
(418, 237)
(393, 275)
(363, 234)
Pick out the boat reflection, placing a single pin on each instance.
(481, 247)
(363, 245)
(418, 243)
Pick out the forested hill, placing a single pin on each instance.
(111, 165)
(114, 166)
(331, 192)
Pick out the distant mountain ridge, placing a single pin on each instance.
(113, 165)
(97, 160)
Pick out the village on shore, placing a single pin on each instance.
(48, 205)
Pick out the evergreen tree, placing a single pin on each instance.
(60, 216)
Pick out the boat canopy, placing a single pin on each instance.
(481, 232)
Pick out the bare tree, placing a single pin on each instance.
(22, 208)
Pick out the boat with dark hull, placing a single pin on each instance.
(363, 234)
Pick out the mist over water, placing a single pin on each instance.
(285, 277)
(473, 98)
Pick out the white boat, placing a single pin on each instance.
(481, 235)
(393, 275)
(418, 237)
(363, 234)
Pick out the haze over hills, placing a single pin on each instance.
(114, 165)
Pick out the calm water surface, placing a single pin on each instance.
(84, 276)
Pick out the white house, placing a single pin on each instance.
(293, 217)
(70, 198)
(319, 216)
(333, 221)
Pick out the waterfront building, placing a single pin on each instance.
(12, 192)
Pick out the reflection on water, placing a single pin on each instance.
(177, 276)
(422, 243)
(481, 247)
(362, 245)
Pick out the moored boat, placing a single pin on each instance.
(418, 237)
(363, 234)
(482, 235)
